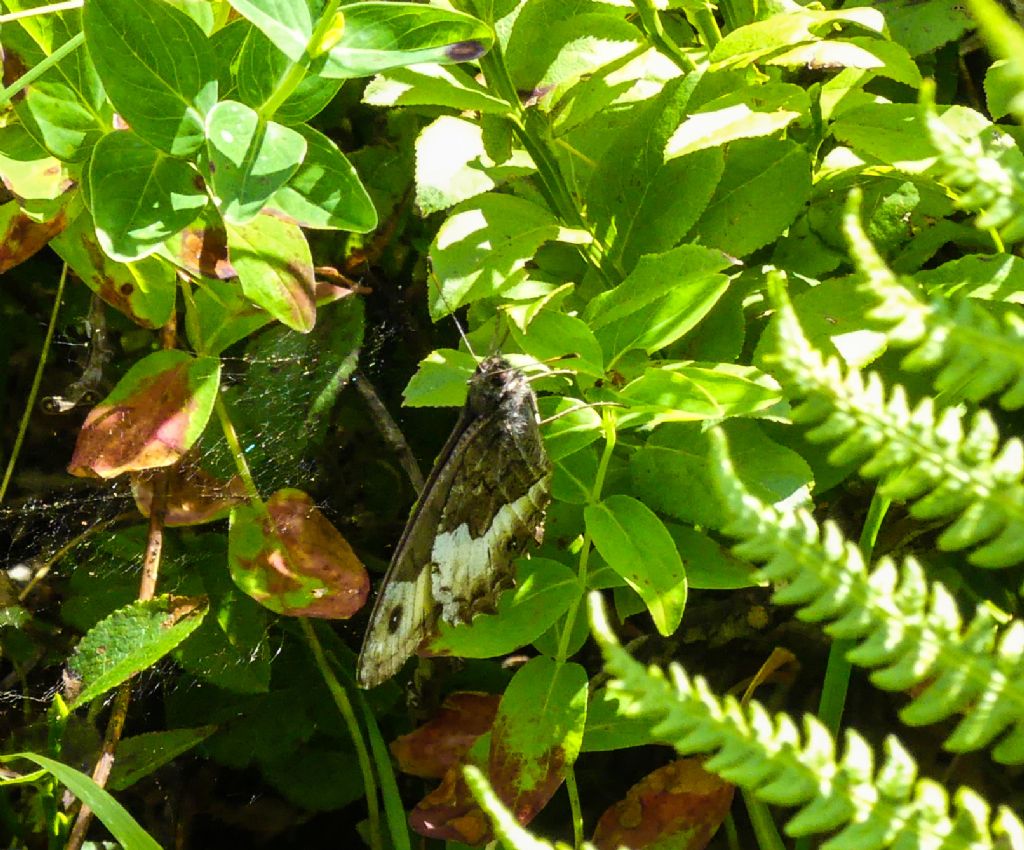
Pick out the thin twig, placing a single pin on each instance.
(389, 430)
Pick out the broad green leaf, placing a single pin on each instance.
(131, 640)
(544, 591)
(537, 733)
(249, 159)
(923, 27)
(786, 29)
(681, 392)
(261, 67)
(139, 195)
(158, 69)
(221, 316)
(325, 192)
(453, 166)
(989, 277)
(636, 544)
(139, 755)
(65, 109)
(709, 564)
(143, 290)
(275, 268)
(574, 477)
(552, 334)
(432, 85)
(151, 418)
(637, 201)
(672, 471)
(765, 185)
(109, 812)
(1002, 88)
(25, 167)
(483, 247)
(568, 432)
(291, 559)
(609, 728)
(884, 58)
(288, 25)
(442, 380)
(714, 129)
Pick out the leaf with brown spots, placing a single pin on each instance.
(443, 741)
(450, 812)
(537, 734)
(293, 561)
(144, 290)
(152, 417)
(21, 236)
(194, 496)
(678, 806)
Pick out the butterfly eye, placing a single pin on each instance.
(395, 619)
(511, 545)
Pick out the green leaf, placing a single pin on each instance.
(544, 591)
(537, 733)
(924, 27)
(552, 334)
(765, 185)
(154, 414)
(433, 85)
(442, 380)
(609, 728)
(130, 640)
(718, 127)
(484, 245)
(325, 192)
(682, 392)
(275, 268)
(634, 198)
(139, 195)
(672, 471)
(144, 290)
(567, 433)
(220, 316)
(636, 544)
(110, 812)
(158, 69)
(139, 755)
(249, 159)
(65, 109)
(452, 164)
(990, 277)
(884, 58)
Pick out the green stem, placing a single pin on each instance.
(228, 427)
(297, 72)
(574, 805)
(650, 23)
(344, 705)
(608, 424)
(34, 73)
(37, 381)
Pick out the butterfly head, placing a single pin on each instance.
(497, 384)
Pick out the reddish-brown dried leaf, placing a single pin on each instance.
(21, 236)
(151, 418)
(677, 807)
(203, 250)
(294, 561)
(443, 742)
(450, 813)
(193, 495)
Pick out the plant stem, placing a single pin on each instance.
(344, 705)
(574, 805)
(31, 75)
(650, 23)
(37, 381)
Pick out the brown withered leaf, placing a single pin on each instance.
(151, 418)
(450, 812)
(443, 741)
(194, 496)
(678, 806)
(293, 561)
(21, 236)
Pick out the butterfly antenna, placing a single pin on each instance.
(458, 325)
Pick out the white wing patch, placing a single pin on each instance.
(462, 566)
(400, 622)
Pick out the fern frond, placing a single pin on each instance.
(922, 455)
(987, 167)
(909, 632)
(869, 808)
(977, 354)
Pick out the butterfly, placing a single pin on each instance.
(481, 505)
